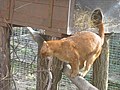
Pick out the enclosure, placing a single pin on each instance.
(21, 66)
(24, 63)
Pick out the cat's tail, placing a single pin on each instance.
(97, 20)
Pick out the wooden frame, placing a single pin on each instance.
(50, 15)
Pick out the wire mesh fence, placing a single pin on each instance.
(24, 62)
(23, 59)
(114, 65)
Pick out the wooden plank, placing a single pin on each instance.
(44, 14)
(4, 12)
(50, 13)
(40, 27)
(23, 20)
(60, 3)
(60, 19)
(4, 9)
(11, 11)
(39, 15)
(53, 34)
(30, 14)
(31, 11)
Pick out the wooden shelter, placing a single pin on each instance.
(49, 15)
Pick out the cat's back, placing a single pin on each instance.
(85, 40)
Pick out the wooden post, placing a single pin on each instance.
(42, 66)
(101, 66)
(4, 59)
(70, 16)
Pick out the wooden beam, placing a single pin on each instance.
(79, 81)
(50, 13)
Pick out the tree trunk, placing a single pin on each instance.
(42, 74)
(100, 68)
(4, 59)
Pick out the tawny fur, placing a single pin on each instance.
(82, 47)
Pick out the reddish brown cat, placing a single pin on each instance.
(80, 49)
